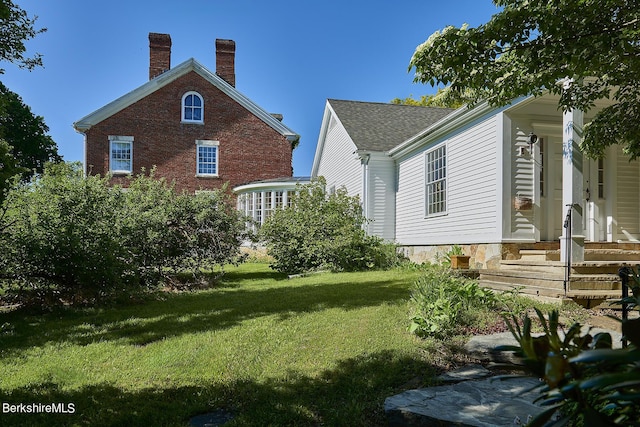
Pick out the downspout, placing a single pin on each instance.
(365, 186)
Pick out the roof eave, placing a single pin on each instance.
(448, 123)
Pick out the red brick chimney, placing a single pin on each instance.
(225, 60)
(159, 54)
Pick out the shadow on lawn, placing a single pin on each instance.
(351, 394)
(192, 312)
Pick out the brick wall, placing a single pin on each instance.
(249, 149)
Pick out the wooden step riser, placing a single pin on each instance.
(575, 284)
(550, 269)
(628, 259)
(528, 291)
(552, 295)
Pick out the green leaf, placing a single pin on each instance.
(611, 356)
(617, 380)
(541, 419)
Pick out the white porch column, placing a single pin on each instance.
(572, 184)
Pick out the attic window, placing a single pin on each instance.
(192, 108)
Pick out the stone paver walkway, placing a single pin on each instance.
(471, 397)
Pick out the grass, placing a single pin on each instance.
(319, 350)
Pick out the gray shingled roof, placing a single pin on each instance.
(380, 127)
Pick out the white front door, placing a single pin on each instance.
(595, 191)
(551, 189)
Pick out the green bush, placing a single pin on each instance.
(586, 381)
(443, 303)
(323, 231)
(65, 238)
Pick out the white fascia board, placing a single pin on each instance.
(328, 112)
(85, 123)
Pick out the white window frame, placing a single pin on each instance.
(117, 140)
(184, 107)
(436, 188)
(207, 143)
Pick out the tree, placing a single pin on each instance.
(531, 47)
(26, 133)
(8, 167)
(440, 99)
(15, 29)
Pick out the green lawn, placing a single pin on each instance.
(318, 350)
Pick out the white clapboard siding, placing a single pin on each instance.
(381, 198)
(628, 189)
(522, 184)
(338, 163)
(472, 166)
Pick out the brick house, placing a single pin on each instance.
(189, 123)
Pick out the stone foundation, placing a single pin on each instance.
(483, 255)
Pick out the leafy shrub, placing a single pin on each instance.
(67, 238)
(323, 231)
(586, 382)
(443, 303)
(167, 233)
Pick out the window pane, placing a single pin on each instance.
(436, 184)
(192, 108)
(120, 156)
(207, 160)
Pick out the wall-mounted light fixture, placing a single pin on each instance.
(532, 139)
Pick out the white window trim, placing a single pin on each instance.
(207, 143)
(184, 120)
(120, 139)
(426, 183)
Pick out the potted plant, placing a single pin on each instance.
(457, 258)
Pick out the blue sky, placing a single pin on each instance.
(291, 56)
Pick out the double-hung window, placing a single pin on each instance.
(120, 154)
(207, 157)
(192, 108)
(436, 181)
